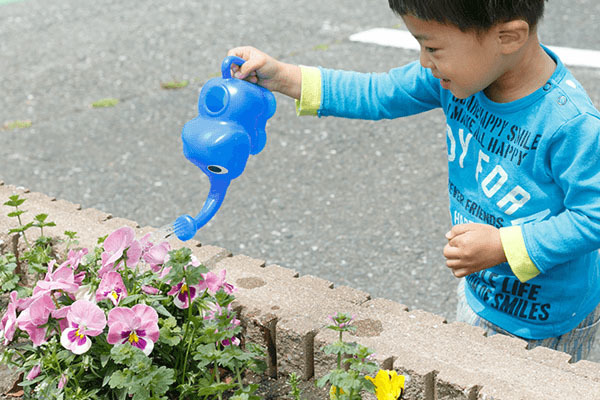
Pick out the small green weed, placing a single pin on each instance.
(175, 84)
(104, 103)
(17, 124)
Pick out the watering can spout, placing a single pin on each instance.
(186, 226)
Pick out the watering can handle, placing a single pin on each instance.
(226, 65)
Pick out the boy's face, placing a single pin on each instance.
(465, 62)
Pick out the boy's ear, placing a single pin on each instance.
(512, 35)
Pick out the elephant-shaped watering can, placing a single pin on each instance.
(232, 115)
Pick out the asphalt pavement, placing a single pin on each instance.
(359, 203)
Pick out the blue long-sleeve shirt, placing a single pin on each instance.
(532, 163)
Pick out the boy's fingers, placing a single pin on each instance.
(457, 230)
(245, 53)
(451, 252)
(242, 52)
(254, 60)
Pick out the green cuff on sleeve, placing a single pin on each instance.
(516, 253)
(310, 97)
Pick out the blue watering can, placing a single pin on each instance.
(232, 115)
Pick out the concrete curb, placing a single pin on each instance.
(287, 313)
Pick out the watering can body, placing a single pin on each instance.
(230, 126)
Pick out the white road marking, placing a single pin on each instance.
(404, 40)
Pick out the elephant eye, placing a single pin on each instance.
(217, 169)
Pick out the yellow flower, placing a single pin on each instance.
(388, 385)
(333, 393)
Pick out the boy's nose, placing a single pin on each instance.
(425, 60)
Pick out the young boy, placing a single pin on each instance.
(523, 140)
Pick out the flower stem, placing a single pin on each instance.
(187, 325)
(187, 352)
(238, 374)
(218, 377)
(23, 233)
(339, 356)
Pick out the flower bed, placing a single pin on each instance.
(134, 318)
(128, 318)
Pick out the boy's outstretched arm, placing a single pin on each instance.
(472, 248)
(264, 70)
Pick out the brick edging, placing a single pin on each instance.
(287, 313)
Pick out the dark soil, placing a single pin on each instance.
(271, 389)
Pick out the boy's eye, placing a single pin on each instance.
(430, 49)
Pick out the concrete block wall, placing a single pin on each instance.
(288, 313)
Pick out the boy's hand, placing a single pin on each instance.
(264, 70)
(473, 247)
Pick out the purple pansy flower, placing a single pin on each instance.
(137, 326)
(180, 293)
(85, 319)
(112, 288)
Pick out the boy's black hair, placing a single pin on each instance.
(467, 15)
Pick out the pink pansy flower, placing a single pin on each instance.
(61, 279)
(213, 282)
(74, 258)
(8, 324)
(112, 288)
(34, 372)
(146, 243)
(155, 255)
(180, 291)
(118, 244)
(150, 289)
(85, 319)
(79, 277)
(33, 319)
(137, 326)
(61, 315)
(62, 381)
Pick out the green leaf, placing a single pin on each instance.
(16, 213)
(161, 309)
(101, 239)
(10, 283)
(321, 382)
(70, 234)
(41, 221)
(41, 217)
(119, 379)
(170, 333)
(20, 229)
(14, 201)
(104, 358)
(130, 299)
